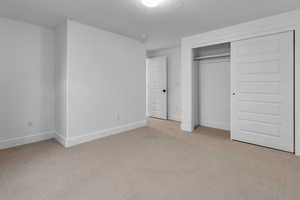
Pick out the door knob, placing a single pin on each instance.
(164, 90)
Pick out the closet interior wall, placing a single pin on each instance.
(212, 91)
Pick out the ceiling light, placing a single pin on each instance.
(151, 3)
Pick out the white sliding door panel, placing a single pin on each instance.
(157, 87)
(262, 91)
(214, 93)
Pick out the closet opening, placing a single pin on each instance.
(212, 86)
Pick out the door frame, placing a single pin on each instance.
(270, 25)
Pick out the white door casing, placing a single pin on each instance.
(157, 87)
(262, 100)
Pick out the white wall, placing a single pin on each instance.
(26, 83)
(61, 81)
(174, 80)
(77, 81)
(106, 81)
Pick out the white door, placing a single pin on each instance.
(262, 91)
(157, 87)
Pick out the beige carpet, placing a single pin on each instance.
(159, 162)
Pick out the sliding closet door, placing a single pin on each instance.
(262, 91)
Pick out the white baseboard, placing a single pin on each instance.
(68, 142)
(215, 125)
(186, 127)
(26, 139)
(61, 139)
(103, 133)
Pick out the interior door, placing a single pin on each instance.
(262, 85)
(157, 87)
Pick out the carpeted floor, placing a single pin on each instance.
(158, 162)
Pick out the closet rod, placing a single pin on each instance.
(212, 56)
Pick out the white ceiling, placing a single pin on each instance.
(163, 26)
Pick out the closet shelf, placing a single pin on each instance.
(212, 56)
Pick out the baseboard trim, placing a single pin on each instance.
(13, 142)
(68, 142)
(186, 127)
(61, 139)
(103, 133)
(222, 126)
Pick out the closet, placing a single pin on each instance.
(212, 91)
(247, 86)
